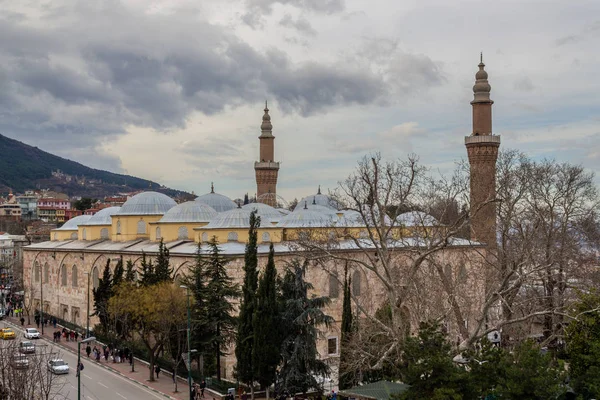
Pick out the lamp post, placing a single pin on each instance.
(87, 326)
(189, 352)
(86, 340)
(41, 296)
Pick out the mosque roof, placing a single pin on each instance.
(190, 211)
(147, 203)
(264, 211)
(102, 217)
(217, 201)
(350, 218)
(416, 218)
(73, 223)
(319, 199)
(305, 218)
(236, 218)
(314, 207)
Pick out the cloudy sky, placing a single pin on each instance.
(173, 90)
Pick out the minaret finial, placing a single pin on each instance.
(314, 200)
(481, 57)
(212, 187)
(305, 205)
(319, 191)
(266, 106)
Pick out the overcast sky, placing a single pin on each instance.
(173, 90)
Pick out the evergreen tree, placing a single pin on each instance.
(220, 290)
(130, 272)
(246, 200)
(148, 273)
(301, 317)
(118, 274)
(101, 295)
(266, 326)
(346, 376)
(245, 332)
(162, 270)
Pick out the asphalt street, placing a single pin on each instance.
(97, 383)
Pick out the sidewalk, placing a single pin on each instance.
(164, 385)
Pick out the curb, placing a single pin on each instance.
(67, 348)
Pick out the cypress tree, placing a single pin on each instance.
(267, 342)
(162, 270)
(245, 336)
(148, 274)
(102, 294)
(130, 272)
(346, 376)
(220, 290)
(118, 274)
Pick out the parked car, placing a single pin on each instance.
(58, 366)
(31, 333)
(7, 333)
(19, 361)
(26, 347)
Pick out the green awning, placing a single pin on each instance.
(381, 390)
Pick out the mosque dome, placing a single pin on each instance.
(190, 211)
(217, 201)
(147, 203)
(314, 207)
(73, 223)
(320, 200)
(102, 217)
(264, 211)
(307, 218)
(235, 218)
(350, 218)
(416, 218)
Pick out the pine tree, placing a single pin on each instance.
(220, 290)
(346, 376)
(245, 336)
(301, 317)
(148, 273)
(246, 200)
(102, 294)
(266, 326)
(130, 272)
(162, 270)
(118, 274)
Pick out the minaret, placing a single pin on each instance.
(266, 169)
(482, 148)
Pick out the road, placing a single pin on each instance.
(97, 383)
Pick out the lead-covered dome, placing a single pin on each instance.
(190, 211)
(217, 201)
(307, 218)
(264, 211)
(102, 217)
(236, 218)
(73, 223)
(320, 200)
(416, 218)
(147, 203)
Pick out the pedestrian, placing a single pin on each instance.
(88, 350)
(194, 391)
(72, 334)
(202, 387)
(244, 396)
(22, 321)
(76, 336)
(175, 377)
(79, 368)
(54, 322)
(157, 370)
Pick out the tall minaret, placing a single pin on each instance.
(266, 169)
(482, 148)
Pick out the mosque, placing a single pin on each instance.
(61, 272)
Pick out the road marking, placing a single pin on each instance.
(102, 384)
(87, 376)
(121, 395)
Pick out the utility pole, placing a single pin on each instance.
(189, 352)
(87, 327)
(86, 340)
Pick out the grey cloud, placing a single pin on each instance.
(301, 24)
(588, 31)
(524, 84)
(318, 6)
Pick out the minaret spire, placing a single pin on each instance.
(266, 168)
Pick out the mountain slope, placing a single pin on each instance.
(25, 167)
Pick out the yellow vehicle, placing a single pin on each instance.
(7, 333)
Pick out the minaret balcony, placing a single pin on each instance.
(483, 139)
(266, 165)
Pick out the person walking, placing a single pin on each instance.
(175, 377)
(88, 350)
(157, 370)
(202, 387)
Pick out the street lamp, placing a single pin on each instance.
(189, 346)
(86, 340)
(87, 326)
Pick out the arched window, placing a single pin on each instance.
(334, 286)
(63, 275)
(37, 271)
(74, 277)
(205, 236)
(232, 237)
(84, 234)
(266, 237)
(73, 236)
(182, 232)
(95, 278)
(356, 283)
(46, 273)
(118, 227)
(141, 227)
(104, 233)
(158, 236)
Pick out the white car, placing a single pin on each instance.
(58, 366)
(31, 333)
(19, 361)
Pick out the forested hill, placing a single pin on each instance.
(24, 167)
